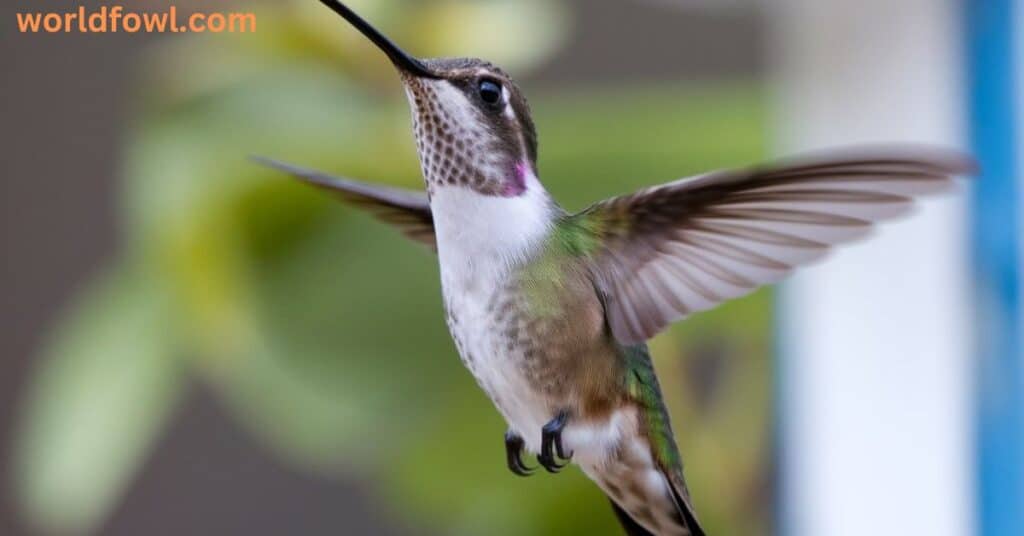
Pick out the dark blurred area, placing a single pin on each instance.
(67, 100)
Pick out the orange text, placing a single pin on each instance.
(113, 19)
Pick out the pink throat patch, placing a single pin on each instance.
(516, 185)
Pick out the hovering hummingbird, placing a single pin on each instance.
(550, 311)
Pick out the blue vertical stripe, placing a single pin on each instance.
(999, 411)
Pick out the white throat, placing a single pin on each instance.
(478, 233)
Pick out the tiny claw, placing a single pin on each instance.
(551, 444)
(559, 450)
(513, 454)
(520, 469)
(550, 464)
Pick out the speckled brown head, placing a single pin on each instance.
(472, 125)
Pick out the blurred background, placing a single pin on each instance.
(192, 344)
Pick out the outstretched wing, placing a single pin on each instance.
(670, 251)
(407, 210)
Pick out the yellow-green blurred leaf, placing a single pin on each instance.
(515, 35)
(351, 350)
(103, 391)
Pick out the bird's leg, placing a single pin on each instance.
(551, 444)
(513, 454)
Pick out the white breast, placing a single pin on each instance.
(480, 241)
(498, 369)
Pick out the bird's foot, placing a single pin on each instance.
(552, 454)
(513, 454)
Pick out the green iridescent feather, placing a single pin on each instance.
(642, 386)
(578, 235)
(582, 236)
(572, 238)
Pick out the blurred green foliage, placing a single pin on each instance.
(321, 330)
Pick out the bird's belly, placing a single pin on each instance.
(497, 359)
(535, 351)
(506, 369)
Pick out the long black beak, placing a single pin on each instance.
(399, 57)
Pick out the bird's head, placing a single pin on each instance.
(472, 124)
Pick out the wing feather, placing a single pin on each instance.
(406, 210)
(683, 247)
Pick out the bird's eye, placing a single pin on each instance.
(490, 92)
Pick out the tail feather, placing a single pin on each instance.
(659, 446)
(631, 527)
(646, 500)
(685, 507)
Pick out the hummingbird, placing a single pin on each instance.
(551, 310)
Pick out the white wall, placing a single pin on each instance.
(875, 383)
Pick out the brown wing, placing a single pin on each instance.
(407, 210)
(687, 246)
